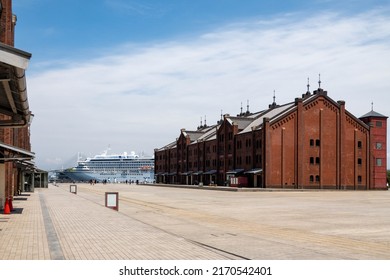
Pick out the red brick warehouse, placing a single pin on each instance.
(16, 167)
(311, 143)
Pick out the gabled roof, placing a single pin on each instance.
(241, 122)
(308, 99)
(193, 135)
(374, 114)
(270, 113)
(168, 146)
(209, 134)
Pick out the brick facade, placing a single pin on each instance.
(11, 134)
(311, 143)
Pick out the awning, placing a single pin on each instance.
(14, 153)
(173, 173)
(210, 172)
(13, 89)
(26, 165)
(198, 173)
(14, 57)
(186, 173)
(235, 171)
(254, 171)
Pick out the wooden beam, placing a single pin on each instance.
(8, 93)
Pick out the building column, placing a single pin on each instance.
(2, 185)
(341, 145)
(368, 161)
(299, 142)
(265, 152)
(355, 159)
(320, 147)
(32, 182)
(282, 159)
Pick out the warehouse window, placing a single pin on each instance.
(317, 160)
(359, 144)
(378, 124)
(317, 178)
(311, 142)
(258, 144)
(359, 161)
(359, 179)
(378, 162)
(311, 160)
(379, 146)
(311, 178)
(318, 142)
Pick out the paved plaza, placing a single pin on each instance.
(156, 222)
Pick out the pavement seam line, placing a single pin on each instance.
(51, 234)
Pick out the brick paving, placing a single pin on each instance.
(22, 235)
(86, 231)
(177, 223)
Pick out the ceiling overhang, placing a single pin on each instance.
(12, 153)
(13, 88)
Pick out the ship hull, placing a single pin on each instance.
(112, 177)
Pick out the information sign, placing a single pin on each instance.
(112, 200)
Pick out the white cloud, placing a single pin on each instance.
(138, 97)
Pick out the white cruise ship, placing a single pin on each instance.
(117, 168)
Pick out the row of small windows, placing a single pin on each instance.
(221, 137)
(258, 159)
(248, 160)
(248, 143)
(317, 179)
(359, 161)
(377, 123)
(378, 145)
(317, 160)
(317, 142)
(213, 163)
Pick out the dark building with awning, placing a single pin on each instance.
(16, 158)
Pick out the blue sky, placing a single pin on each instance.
(80, 29)
(132, 73)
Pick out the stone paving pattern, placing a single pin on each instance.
(178, 223)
